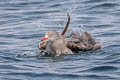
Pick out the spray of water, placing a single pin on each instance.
(81, 28)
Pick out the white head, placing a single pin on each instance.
(51, 35)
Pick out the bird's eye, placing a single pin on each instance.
(85, 39)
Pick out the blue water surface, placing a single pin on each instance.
(24, 22)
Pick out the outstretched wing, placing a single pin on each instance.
(67, 25)
(83, 42)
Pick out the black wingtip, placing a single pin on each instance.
(67, 25)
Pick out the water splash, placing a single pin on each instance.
(28, 54)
